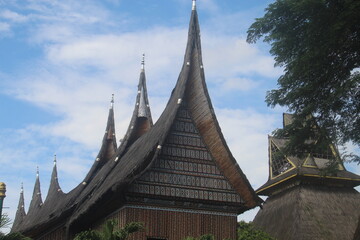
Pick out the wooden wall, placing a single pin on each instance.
(55, 234)
(176, 225)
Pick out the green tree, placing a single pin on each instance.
(13, 236)
(5, 223)
(109, 231)
(246, 231)
(317, 42)
(203, 237)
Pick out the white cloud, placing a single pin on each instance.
(246, 134)
(12, 16)
(238, 84)
(4, 27)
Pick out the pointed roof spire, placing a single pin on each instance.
(141, 120)
(110, 125)
(143, 62)
(20, 212)
(54, 188)
(108, 147)
(193, 4)
(36, 201)
(112, 102)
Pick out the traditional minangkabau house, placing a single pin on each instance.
(303, 201)
(177, 176)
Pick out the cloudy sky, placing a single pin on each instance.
(60, 61)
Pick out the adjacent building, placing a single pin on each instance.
(304, 200)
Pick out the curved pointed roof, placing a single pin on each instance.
(108, 146)
(141, 120)
(20, 212)
(59, 205)
(105, 183)
(54, 189)
(140, 123)
(36, 201)
(190, 87)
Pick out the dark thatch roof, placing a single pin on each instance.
(108, 147)
(103, 192)
(141, 120)
(306, 202)
(36, 201)
(140, 156)
(58, 205)
(357, 232)
(311, 212)
(20, 213)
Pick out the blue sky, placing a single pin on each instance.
(61, 60)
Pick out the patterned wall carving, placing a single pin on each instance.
(185, 168)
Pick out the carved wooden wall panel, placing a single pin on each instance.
(185, 168)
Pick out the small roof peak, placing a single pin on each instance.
(112, 101)
(143, 62)
(22, 188)
(37, 171)
(193, 5)
(55, 159)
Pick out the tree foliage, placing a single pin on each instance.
(317, 42)
(246, 231)
(110, 231)
(202, 237)
(14, 236)
(5, 223)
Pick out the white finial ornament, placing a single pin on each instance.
(54, 159)
(112, 101)
(193, 4)
(143, 62)
(37, 171)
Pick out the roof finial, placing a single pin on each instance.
(37, 171)
(193, 4)
(55, 159)
(22, 187)
(143, 62)
(112, 101)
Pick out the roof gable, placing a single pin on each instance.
(142, 153)
(185, 169)
(284, 170)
